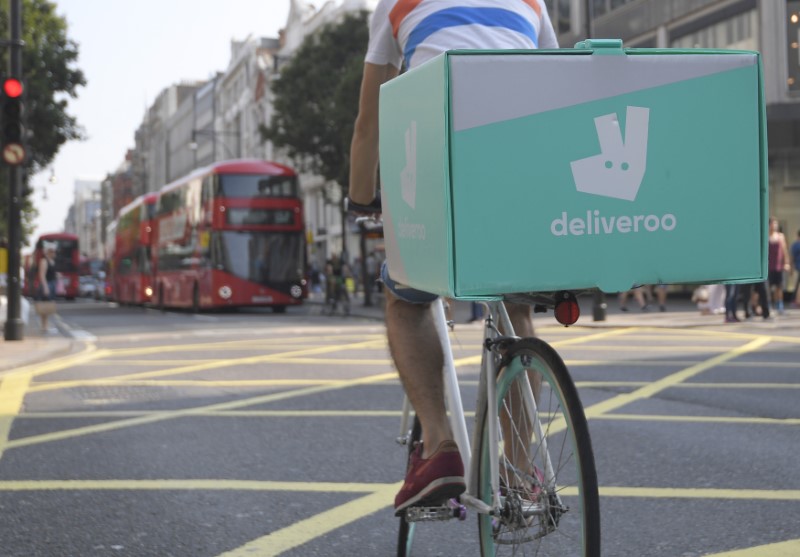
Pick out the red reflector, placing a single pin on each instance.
(567, 311)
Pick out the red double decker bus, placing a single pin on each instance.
(131, 269)
(67, 265)
(231, 235)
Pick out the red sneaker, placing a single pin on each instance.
(431, 481)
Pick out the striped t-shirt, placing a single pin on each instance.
(418, 30)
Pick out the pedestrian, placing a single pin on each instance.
(777, 263)
(638, 295)
(730, 304)
(46, 291)
(476, 312)
(661, 295)
(755, 299)
(795, 254)
(3, 265)
(372, 272)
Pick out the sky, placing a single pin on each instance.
(129, 53)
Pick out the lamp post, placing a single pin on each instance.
(589, 9)
(14, 327)
(599, 304)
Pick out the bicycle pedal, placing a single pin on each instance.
(453, 509)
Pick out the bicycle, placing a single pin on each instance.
(532, 478)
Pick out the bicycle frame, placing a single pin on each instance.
(496, 313)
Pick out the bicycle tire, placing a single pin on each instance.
(559, 518)
(405, 536)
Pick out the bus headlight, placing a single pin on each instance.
(225, 292)
(148, 292)
(296, 291)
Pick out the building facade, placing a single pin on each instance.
(84, 218)
(768, 26)
(193, 124)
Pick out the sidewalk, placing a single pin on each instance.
(35, 347)
(680, 313)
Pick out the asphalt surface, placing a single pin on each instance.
(241, 434)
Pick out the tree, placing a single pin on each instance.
(50, 76)
(316, 98)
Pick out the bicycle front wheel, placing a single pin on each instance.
(547, 501)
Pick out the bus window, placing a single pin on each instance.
(241, 185)
(259, 217)
(260, 257)
(208, 189)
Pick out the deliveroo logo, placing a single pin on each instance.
(408, 188)
(616, 172)
(619, 169)
(408, 176)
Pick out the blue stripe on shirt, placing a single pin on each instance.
(453, 17)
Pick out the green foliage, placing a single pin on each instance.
(316, 98)
(51, 78)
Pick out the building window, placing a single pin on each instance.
(792, 47)
(737, 33)
(602, 7)
(559, 11)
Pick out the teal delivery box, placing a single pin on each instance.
(534, 171)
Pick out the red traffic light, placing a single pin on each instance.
(12, 87)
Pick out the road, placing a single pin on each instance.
(257, 434)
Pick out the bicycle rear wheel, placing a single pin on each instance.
(405, 536)
(548, 498)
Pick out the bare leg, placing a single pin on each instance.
(639, 296)
(520, 315)
(661, 294)
(418, 356)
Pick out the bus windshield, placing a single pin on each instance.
(243, 185)
(268, 258)
(65, 256)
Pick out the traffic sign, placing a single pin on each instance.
(13, 154)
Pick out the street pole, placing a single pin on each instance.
(14, 327)
(365, 281)
(599, 304)
(589, 13)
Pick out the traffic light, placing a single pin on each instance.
(13, 150)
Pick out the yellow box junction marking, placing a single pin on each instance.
(789, 548)
(378, 495)
(12, 393)
(655, 387)
(14, 386)
(213, 364)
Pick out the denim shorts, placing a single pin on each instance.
(405, 293)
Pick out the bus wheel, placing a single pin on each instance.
(196, 299)
(278, 309)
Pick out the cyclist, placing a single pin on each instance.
(336, 274)
(413, 31)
